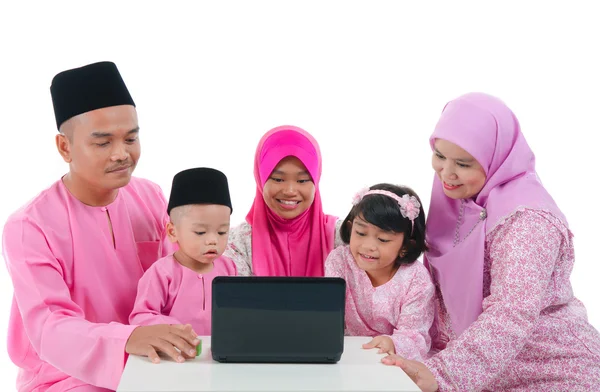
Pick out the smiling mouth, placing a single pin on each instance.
(367, 257)
(451, 187)
(288, 202)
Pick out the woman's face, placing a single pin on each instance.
(461, 175)
(289, 190)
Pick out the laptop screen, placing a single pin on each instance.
(278, 317)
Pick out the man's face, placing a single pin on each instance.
(101, 146)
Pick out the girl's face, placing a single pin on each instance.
(289, 190)
(461, 175)
(374, 250)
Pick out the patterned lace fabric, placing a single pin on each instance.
(402, 308)
(533, 334)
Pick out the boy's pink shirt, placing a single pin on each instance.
(170, 293)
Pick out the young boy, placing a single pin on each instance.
(177, 288)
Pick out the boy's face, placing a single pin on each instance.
(201, 231)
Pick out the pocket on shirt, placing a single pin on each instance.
(148, 252)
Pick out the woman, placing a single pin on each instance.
(286, 232)
(501, 255)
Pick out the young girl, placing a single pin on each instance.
(389, 295)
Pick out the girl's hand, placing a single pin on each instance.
(417, 371)
(385, 344)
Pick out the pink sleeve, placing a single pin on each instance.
(56, 326)
(411, 335)
(523, 254)
(334, 264)
(152, 298)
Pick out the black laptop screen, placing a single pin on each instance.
(256, 316)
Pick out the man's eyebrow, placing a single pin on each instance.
(109, 134)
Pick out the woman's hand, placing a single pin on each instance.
(417, 371)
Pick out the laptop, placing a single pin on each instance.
(277, 319)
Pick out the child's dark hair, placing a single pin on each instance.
(384, 212)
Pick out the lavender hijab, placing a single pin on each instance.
(487, 129)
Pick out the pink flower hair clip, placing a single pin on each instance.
(409, 207)
(359, 196)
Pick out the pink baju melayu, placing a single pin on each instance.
(75, 282)
(170, 293)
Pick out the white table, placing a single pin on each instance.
(358, 370)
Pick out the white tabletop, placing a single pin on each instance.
(358, 370)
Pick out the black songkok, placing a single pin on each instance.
(199, 186)
(87, 88)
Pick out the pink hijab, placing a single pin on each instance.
(294, 247)
(487, 129)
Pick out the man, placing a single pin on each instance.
(75, 253)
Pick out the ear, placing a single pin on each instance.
(405, 248)
(63, 145)
(171, 232)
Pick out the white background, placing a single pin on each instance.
(367, 79)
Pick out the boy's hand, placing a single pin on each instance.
(385, 344)
(149, 340)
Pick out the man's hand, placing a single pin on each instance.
(150, 340)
